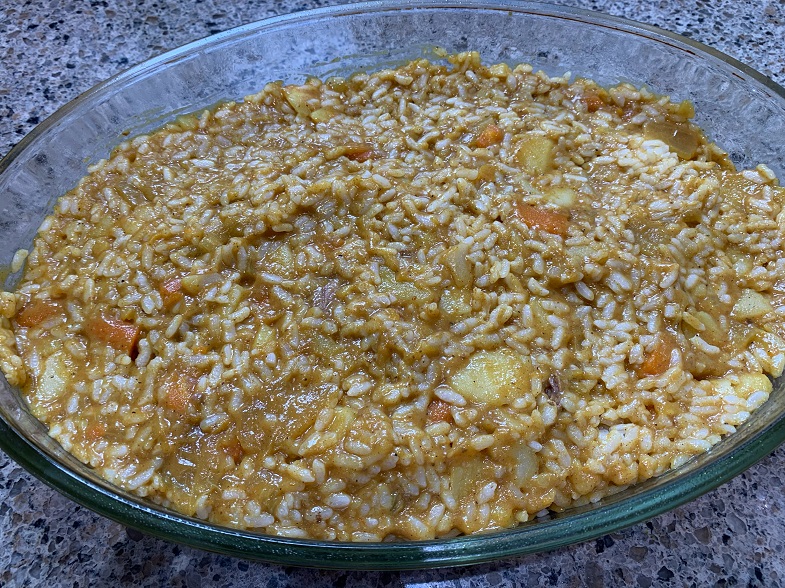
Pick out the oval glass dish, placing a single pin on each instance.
(740, 110)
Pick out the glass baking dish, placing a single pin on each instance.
(740, 109)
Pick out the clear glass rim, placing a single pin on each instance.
(542, 536)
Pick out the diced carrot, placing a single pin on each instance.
(36, 312)
(120, 335)
(543, 219)
(659, 358)
(171, 292)
(438, 411)
(95, 431)
(177, 389)
(490, 135)
(178, 395)
(361, 157)
(359, 153)
(593, 101)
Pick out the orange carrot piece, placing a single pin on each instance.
(179, 389)
(171, 292)
(543, 219)
(490, 135)
(178, 395)
(659, 358)
(95, 431)
(593, 101)
(438, 411)
(360, 153)
(118, 334)
(36, 312)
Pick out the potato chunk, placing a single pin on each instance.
(751, 304)
(321, 115)
(469, 474)
(456, 303)
(744, 387)
(525, 464)
(562, 196)
(456, 259)
(493, 378)
(535, 154)
(678, 136)
(404, 292)
(265, 340)
(54, 380)
(299, 97)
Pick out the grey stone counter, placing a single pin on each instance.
(52, 50)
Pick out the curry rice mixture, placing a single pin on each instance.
(412, 304)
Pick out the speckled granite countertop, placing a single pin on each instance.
(52, 50)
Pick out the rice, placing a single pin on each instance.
(427, 301)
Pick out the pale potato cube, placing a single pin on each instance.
(264, 341)
(468, 474)
(751, 383)
(323, 114)
(493, 378)
(774, 346)
(500, 70)
(54, 380)
(535, 154)
(519, 460)
(456, 259)
(197, 282)
(746, 385)
(7, 304)
(456, 303)
(344, 416)
(563, 196)
(299, 96)
(751, 304)
(281, 261)
(405, 292)
(526, 463)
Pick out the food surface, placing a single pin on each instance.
(412, 304)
